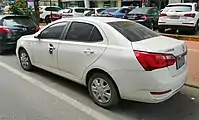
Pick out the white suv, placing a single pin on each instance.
(45, 12)
(181, 16)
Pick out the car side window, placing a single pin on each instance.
(70, 11)
(153, 12)
(79, 32)
(54, 31)
(125, 10)
(96, 35)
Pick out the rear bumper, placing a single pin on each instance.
(137, 85)
(8, 46)
(175, 27)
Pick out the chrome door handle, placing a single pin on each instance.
(51, 48)
(88, 51)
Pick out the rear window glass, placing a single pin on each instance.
(139, 11)
(79, 10)
(178, 8)
(56, 9)
(14, 21)
(133, 31)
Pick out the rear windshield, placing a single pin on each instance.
(18, 20)
(139, 11)
(178, 8)
(55, 9)
(133, 31)
(79, 10)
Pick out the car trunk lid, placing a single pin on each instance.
(165, 45)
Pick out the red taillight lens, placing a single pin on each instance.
(37, 28)
(111, 15)
(163, 15)
(152, 61)
(5, 30)
(144, 17)
(190, 15)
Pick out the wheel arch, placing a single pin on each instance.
(98, 70)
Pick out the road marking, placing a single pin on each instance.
(89, 111)
(193, 50)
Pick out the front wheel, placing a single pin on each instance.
(102, 90)
(161, 30)
(25, 60)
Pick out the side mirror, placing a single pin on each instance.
(37, 35)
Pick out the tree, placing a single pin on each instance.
(20, 7)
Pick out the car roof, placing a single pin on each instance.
(49, 6)
(181, 4)
(95, 19)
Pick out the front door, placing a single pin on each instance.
(45, 48)
(82, 46)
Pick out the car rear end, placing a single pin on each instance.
(13, 28)
(139, 15)
(179, 16)
(108, 12)
(157, 65)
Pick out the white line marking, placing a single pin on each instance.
(89, 111)
(193, 50)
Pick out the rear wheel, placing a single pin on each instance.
(102, 90)
(195, 29)
(161, 30)
(151, 26)
(47, 19)
(25, 60)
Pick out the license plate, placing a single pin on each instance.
(174, 17)
(180, 61)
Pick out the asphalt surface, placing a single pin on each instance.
(22, 100)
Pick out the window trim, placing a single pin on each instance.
(62, 34)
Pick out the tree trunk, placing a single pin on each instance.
(37, 16)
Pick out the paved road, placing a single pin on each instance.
(22, 100)
(193, 58)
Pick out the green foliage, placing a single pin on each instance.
(20, 7)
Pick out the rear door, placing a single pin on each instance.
(83, 45)
(154, 15)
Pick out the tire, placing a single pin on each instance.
(151, 26)
(1, 52)
(47, 19)
(96, 89)
(195, 29)
(161, 30)
(25, 60)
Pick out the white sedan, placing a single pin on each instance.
(114, 58)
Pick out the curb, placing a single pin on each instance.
(183, 37)
(193, 86)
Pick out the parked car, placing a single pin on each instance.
(147, 16)
(115, 58)
(45, 13)
(12, 27)
(93, 11)
(115, 12)
(181, 16)
(74, 12)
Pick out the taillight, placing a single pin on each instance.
(111, 15)
(144, 17)
(5, 30)
(190, 15)
(37, 28)
(163, 15)
(151, 61)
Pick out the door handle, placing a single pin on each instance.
(88, 51)
(51, 48)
